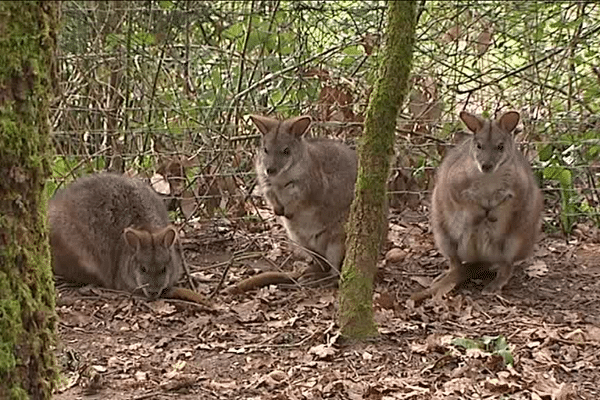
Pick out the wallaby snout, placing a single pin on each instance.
(152, 294)
(489, 150)
(487, 167)
(274, 160)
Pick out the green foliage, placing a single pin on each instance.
(563, 164)
(563, 176)
(166, 5)
(494, 345)
(186, 73)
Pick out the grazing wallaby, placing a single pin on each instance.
(114, 231)
(308, 182)
(486, 205)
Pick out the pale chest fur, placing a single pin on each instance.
(305, 227)
(481, 228)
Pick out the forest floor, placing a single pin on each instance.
(283, 342)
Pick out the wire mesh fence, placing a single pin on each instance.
(161, 89)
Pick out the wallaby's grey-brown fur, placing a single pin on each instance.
(486, 205)
(114, 231)
(308, 182)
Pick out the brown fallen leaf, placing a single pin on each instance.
(546, 386)
(537, 269)
(483, 42)
(322, 351)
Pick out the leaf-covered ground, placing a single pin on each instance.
(283, 342)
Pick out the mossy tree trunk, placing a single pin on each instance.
(367, 223)
(27, 318)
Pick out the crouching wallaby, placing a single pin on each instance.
(114, 232)
(309, 183)
(486, 205)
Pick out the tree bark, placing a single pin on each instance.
(27, 317)
(367, 223)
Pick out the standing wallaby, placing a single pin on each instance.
(114, 231)
(486, 205)
(308, 182)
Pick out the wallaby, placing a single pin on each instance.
(309, 183)
(114, 231)
(486, 205)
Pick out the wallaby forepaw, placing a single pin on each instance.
(418, 297)
(469, 194)
(489, 291)
(493, 287)
(501, 196)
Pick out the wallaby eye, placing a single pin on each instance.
(286, 151)
(501, 147)
(479, 146)
(265, 150)
(163, 270)
(143, 269)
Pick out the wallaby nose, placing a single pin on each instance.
(153, 294)
(271, 171)
(486, 167)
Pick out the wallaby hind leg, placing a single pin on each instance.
(329, 245)
(444, 283)
(335, 254)
(327, 261)
(503, 275)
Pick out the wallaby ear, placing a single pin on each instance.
(509, 120)
(299, 125)
(169, 234)
(264, 124)
(132, 238)
(472, 121)
(460, 136)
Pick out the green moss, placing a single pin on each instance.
(356, 306)
(18, 393)
(7, 359)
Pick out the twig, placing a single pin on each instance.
(244, 257)
(264, 44)
(80, 163)
(245, 49)
(161, 60)
(277, 74)
(150, 395)
(185, 268)
(523, 68)
(223, 276)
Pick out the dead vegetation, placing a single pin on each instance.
(283, 343)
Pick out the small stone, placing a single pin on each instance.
(395, 255)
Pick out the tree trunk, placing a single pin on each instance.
(367, 223)
(27, 317)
